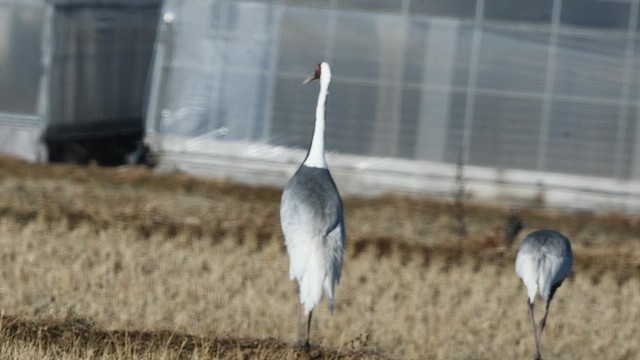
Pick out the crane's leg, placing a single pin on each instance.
(298, 309)
(307, 344)
(535, 330)
(298, 318)
(543, 322)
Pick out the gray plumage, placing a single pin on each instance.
(312, 218)
(314, 189)
(544, 260)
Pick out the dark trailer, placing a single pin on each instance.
(99, 53)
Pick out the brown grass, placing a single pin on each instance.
(78, 338)
(128, 263)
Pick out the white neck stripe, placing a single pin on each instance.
(316, 157)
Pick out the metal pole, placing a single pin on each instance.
(618, 167)
(472, 81)
(547, 96)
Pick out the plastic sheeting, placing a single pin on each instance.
(543, 86)
(20, 137)
(20, 56)
(21, 110)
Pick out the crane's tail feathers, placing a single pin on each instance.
(310, 294)
(334, 254)
(312, 280)
(329, 286)
(316, 267)
(527, 268)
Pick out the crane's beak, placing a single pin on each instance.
(309, 79)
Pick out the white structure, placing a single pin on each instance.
(22, 106)
(541, 97)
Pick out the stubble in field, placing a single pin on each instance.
(96, 254)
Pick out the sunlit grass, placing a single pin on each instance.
(175, 257)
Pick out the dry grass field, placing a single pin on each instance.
(127, 263)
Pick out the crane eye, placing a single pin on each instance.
(317, 71)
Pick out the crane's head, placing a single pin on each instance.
(322, 72)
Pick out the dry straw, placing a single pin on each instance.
(130, 264)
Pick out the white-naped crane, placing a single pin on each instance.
(544, 260)
(312, 218)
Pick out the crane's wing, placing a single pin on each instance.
(557, 264)
(543, 261)
(527, 268)
(334, 252)
(311, 216)
(310, 203)
(310, 211)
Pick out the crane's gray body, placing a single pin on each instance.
(312, 221)
(314, 189)
(544, 260)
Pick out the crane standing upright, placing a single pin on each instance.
(544, 260)
(312, 218)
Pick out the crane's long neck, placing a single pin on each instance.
(316, 158)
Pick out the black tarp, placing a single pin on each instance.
(100, 56)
